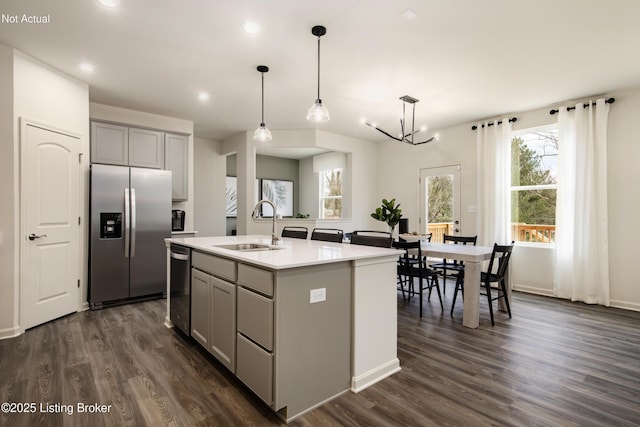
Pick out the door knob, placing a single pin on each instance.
(35, 236)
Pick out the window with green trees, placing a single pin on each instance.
(534, 154)
(331, 193)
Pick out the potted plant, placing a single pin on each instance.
(388, 212)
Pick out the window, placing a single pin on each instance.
(534, 155)
(330, 193)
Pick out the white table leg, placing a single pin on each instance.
(470, 315)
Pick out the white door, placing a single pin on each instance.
(50, 175)
(440, 201)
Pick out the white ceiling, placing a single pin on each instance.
(464, 60)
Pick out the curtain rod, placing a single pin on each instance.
(511, 120)
(585, 105)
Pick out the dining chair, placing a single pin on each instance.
(327, 235)
(452, 264)
(295, 232)
(498, 265)
(371, 238)
(408, 270)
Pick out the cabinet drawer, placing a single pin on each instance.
(254, 367)
(256, 278)
(255, 317)
(217, 266)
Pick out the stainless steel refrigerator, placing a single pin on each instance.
(130, 218)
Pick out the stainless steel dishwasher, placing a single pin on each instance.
(180, 303)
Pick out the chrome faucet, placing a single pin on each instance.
(274, 236)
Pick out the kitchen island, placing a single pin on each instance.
(300, 322)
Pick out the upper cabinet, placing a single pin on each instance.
(126, 146)
(109, 144)
(177, 161)
(146, 148)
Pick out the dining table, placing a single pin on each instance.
(472, 256)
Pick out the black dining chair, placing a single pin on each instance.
(371, 238)
(409, 269)
(327, 235)
(295, 232)
(455, 266)
(496, 271)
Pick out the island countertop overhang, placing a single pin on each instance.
(294, 252)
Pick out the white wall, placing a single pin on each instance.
(41, 94)
(209, 188)
(9, 207)
(624, 198)
(533, 266)
(157, 122)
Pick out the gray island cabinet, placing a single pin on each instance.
(298, 325)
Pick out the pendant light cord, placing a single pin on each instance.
(262, 122)
(318, 67)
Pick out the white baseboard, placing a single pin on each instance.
(373, 376)
(533, 290)
(625, 305)
(10, 333)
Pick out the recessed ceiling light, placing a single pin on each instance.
(251, 27)
(86, 67)
(110, 3)
(409, 14)
(203, 96)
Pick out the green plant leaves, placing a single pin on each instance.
(388, 212)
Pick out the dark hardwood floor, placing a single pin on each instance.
(556, 363)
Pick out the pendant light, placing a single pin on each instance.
(262, 134)
(318, 112)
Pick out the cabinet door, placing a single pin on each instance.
(200, 307)
(176, 160)
(146, 148)
(109, 144)
(223, 322)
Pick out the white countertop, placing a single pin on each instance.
(295, 252)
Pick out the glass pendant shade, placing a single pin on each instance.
(318, 113)
(262, 134)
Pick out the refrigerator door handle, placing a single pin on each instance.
(127, 223)
(133, 222)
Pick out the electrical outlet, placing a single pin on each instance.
(317, 295)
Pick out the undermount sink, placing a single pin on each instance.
(248, 247)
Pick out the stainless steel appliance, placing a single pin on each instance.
(177, 220)
(180, 301)
(130, 218)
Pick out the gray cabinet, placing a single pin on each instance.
(291, 351)
(213, 307)
(223, 322)
(126, 146)
(255, 349)
(176, 159)
(146, 148)
(109, 144)
(200, 307)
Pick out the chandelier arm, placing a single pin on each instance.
(380, 130)
(418, 143)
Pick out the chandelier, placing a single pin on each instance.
(405, 137)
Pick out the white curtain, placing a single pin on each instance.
(494, 185)
(582, 246)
